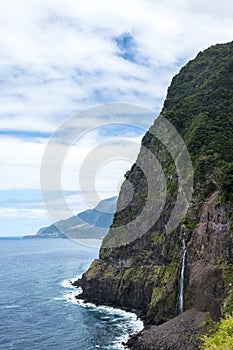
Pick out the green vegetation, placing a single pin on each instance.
(200, 106)
(227, 181)
(190, 223)
(164, 289)
(157, 238)
(228, 279)
(220, 337)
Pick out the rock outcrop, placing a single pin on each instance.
(179, 333)
(210, 244)
(143, 274)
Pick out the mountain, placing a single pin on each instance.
(91, 223)
(142, 267)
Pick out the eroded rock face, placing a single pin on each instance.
(210, 244)
(206, 289)
(211, 240)
(150, 290)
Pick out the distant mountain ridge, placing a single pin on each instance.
(89, 224)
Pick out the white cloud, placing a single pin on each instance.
(61, 56)
(14, 213)
(20, 163)
(58, 57)
(21, 159)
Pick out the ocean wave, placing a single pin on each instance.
(68, 283)
(59, 298)
(128, 322)
(14, 306)
(72, 297)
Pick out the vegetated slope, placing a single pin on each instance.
(144, 274)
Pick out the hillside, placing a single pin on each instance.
(143, 274)
(91, 223)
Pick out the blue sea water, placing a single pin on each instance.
(37, 305)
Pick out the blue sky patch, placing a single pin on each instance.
(25, 134)
(127, 47)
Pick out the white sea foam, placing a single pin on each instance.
(130, 323)
(10, 306)
(68, 283)
(127, 321)
(133, 326)
(72, 297)
(59, 298)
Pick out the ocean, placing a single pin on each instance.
(38, 308)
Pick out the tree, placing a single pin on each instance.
(221, 338)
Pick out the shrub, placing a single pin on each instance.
(221, 338)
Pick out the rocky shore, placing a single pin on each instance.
(180, 333)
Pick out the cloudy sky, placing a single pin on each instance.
(61, 57)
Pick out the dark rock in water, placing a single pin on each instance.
(143, 273)
(180, 333)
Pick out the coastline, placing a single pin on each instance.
(181, 332)
(135, 324)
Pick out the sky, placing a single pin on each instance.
(59, 58)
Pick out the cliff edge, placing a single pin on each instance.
(143, 274)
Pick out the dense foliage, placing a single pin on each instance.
(221, 338)
(200, 101)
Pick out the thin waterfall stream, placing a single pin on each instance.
(180, 304)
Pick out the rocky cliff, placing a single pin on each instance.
(143, 273)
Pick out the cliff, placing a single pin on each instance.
(143, 273)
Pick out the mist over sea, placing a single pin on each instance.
(37, 305)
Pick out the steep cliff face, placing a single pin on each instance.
(210, 253)
(143, 274)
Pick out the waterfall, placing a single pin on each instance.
(180, 304)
